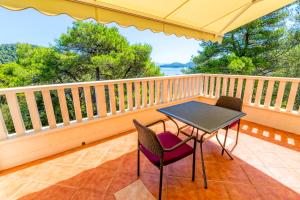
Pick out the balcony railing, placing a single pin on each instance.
(102, 99)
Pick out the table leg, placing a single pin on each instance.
(202, 159)
(223, 147)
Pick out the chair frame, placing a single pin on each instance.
(160, 167)
(240, 101)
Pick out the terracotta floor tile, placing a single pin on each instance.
(54, 192)
(151, 181)
(242, 192)
(120, 181)
(182, 188)
(87, 195)
(215, 191)
(263, 168)
(232, 172)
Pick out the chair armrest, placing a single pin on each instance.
(159, 121)
(179, 144)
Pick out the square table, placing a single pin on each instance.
(205, 117)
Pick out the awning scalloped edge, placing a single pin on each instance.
(107, 16)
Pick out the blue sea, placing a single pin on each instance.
(171, 71)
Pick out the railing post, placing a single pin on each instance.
(165, 90)
(171, 94)
(269, 93)
(112, 98)
(224, 88)
(280, 92)
(151, 92)
(101, 101)
(292, 96)
(201, 83)
(3, 129)
(88, 102)
(49, 108)
(231, 87)
(212, 86)
(239, 88)
(129, 95)
(144, 92)
(248, 91)
(76, 103)
(206, 85)
(121, 97)
(137, 88)
(15, 112)
(63, 106)
(157, 92)
(33, 111)
(259, 92)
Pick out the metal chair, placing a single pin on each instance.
(232, 103)
(162, 149)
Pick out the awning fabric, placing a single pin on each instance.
(199, 19)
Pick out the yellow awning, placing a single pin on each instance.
(199, 19)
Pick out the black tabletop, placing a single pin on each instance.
(205, 117)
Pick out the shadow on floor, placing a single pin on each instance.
(236, 180)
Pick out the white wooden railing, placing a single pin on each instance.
(121, 96)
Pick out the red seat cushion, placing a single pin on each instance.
(168, 140)
(233, 124)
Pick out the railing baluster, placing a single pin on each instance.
(49, 108)
(201, 82)
(165, 91)
(259, 92)
(212, 86)
(63, 106)
(15, 112)
(101, 101)
(88, 102)
(181, 89)
(292, 96)
(129, 95)
(157, 92)
(279, 97)
(121, 97)
(112, 98)
(231, 86)
(239, 88)
(196, 86)
(3, 129)
(33, 111)
(171, 94)
(269, 93)
(224, 88)
(218, 87)
(76, 102)
(137, 88)
(144, 86)
(151, 92)
(191, 87)
(248, 91)
(175, 89)
(206, 85)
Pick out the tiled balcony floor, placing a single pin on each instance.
(266, 166)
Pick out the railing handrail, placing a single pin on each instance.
(116, 81)
(109, 96)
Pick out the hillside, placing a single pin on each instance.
(177, 65)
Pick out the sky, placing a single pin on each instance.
(30, 26)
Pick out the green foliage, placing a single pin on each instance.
(7, 53)
(86, 52)
(250, 49)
